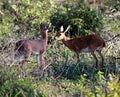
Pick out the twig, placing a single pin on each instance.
(118, 35)
(46, 67)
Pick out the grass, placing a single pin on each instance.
(64, 77)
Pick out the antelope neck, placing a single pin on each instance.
(45, 36)
(66, 41)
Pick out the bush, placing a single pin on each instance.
(81, 19)
(25, 17)
(12, 86)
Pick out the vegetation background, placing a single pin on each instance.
(21, 19)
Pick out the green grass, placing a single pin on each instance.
(64, 76)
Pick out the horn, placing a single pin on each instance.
(67, 29)
(49, 25)
(61, 29)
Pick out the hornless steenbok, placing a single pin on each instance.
(89, 43)
(35, 47)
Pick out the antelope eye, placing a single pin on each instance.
(60, 33)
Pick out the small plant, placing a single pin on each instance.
(113, 86)
(12, 86)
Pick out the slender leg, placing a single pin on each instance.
(16, 56)
(40, 58)
(77, 57)
(41, 67)
(95, 58)
(21, 67)
(26, 57)
(37, 60)
(101, 55)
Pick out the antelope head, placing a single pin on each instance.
(43, 27)
(60, 35)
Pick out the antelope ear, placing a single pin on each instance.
(49, 25)
(42, 26)
(61, 29)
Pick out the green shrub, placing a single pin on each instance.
(13, 86)
(81, 19)
(25, 17)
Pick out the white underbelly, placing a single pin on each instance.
(85, 50)
(88, 50)
(35, 53)
(99, 48)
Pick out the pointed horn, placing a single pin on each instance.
(61, 29)
(49, 25)
(67, 29)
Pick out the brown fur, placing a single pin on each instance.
(28, 47)
(91, 43)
